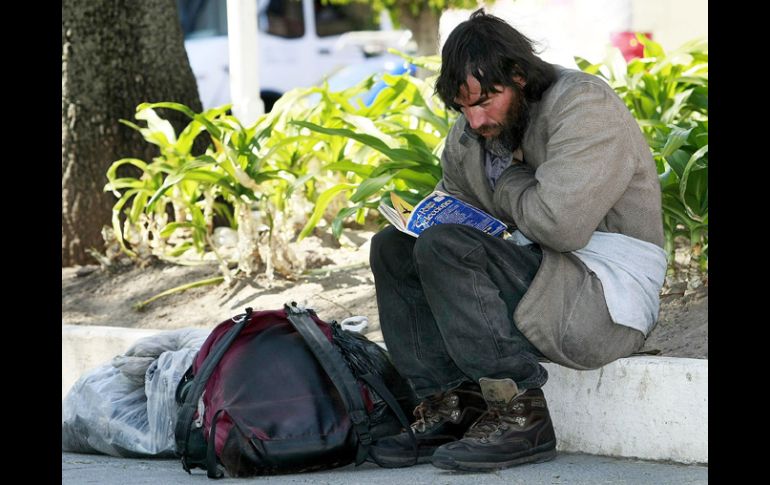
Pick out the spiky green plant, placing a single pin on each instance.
(393, 144)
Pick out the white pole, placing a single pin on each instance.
(243, 44)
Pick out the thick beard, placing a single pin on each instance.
(513, 129)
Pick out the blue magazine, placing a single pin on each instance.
(438, 208)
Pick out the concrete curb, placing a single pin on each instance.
(86, 347)
(653, 408)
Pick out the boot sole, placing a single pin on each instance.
(449, 463)
(391, 461)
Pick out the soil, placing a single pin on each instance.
(338, 285)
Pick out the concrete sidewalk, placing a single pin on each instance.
(572, 469)
(651, 408)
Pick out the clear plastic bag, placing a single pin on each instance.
(109, 411)
(135, 361)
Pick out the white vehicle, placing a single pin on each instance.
(300, 41)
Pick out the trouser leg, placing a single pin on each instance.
(473, 283)
(446, 302)
(408, 327)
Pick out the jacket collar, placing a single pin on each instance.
(468, 136)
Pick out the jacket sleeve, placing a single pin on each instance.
(447, 183)
(451, 163)
(589, 164)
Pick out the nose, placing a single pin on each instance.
(475, 116)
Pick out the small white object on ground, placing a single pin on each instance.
(356, 324)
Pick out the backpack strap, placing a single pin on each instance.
(185, 416)
(379, 386)
(212, 470)
(339, 373)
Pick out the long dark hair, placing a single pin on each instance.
(492, 51)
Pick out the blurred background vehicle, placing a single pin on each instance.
(300, 43)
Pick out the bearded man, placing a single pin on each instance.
(468, 317)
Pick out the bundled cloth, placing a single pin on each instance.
(127, 408)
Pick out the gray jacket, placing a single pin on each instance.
(587, 167)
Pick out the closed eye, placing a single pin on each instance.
(482, 101)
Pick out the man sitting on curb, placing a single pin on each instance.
(557, 156)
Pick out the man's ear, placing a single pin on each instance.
(520, 81)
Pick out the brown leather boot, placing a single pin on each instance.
(516, 429)
(440, 419)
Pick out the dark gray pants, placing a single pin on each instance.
(446, 303)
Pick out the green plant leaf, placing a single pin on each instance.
(676, 138)
(339, 219)
(651, 48)
(320, 206)
(366, 126)
(349, 166)
(173, 226)
(161, 130)
(671, 114)
(586, 66)
(116, 209)
(420, 180)
(210, 127)
(112, 171)
(395, 154)
(370, 186)
(392, 167)
(617, 66)
(683, 184)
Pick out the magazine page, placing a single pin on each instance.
(391, 215)
(403, 207)
(398, 214)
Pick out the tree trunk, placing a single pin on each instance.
(116, 54)
(424, 27)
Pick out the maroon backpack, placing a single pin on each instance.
(283, 391)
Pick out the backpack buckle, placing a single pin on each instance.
(361, 423)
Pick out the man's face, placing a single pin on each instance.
(497, 116)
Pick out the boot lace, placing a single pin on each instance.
(495, 421)
(433, 410)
